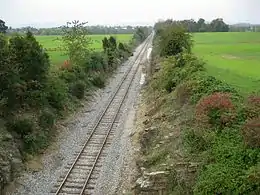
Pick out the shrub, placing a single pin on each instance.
(176, 69)
(28, 55)
(98, 80)
(251, 133)
(252, 108)
(97, 61)
(216, 109)
(56, 91)
(174, 40)
(207, 85)
(195, 142)
(46, 119)
(21, 126)
(33, 143)
(228, 171)
(78, 89)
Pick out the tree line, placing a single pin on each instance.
(98, 29)
(216, 25)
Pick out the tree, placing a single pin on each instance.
(174, 40)
(218, 25)
(202, 26)
(76, 42)
(105, 44)
(112, 43)
(3, 27)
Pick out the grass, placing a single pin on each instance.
(231, 57)
(57, 57)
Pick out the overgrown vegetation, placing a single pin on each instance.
(209, 131)
(33, 96)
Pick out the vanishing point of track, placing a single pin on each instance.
(83, 172)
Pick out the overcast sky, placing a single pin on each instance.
(17, 13)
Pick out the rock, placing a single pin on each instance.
(146, 122)
(171, 134)
(161, 142)
(131, 134)
(157, 146)
(166, 137)
(151, 181)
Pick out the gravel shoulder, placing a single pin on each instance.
(43, 174)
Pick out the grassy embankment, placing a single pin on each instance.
(201, 119)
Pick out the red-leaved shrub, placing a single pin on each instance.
(253, 107)
(251, 133)
(216, 109)
(66, 65)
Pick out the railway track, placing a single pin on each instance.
(82, 173)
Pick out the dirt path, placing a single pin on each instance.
(45, 171)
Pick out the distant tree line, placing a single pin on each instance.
(216, 25)
(98, 29)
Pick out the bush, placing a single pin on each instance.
(174, 40)
(78, 89)
(177, 69)
(46, 119)
(97, 61)
(252, 108)
(228, 172)
(251, 133)
(216, 109)
(56, 91)
(34, 142)
(98, 80)
(195, 141)
(21, 126)
(206, 85)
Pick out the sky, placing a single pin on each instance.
(46, 13)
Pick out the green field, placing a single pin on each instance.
(57, 57)
(232, 57)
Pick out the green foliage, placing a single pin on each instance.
(174, 40)
(99, 80)
(56, 91)
(97, 61)
(195, 142)
(227, 149)
(46, 119)
(3, 27)
(78, 89)
(176, 69)
(110, 50)
(216, 25)
(76, 42)
(21, 126)
(229, 171)
(29, 58)
(141, 33)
